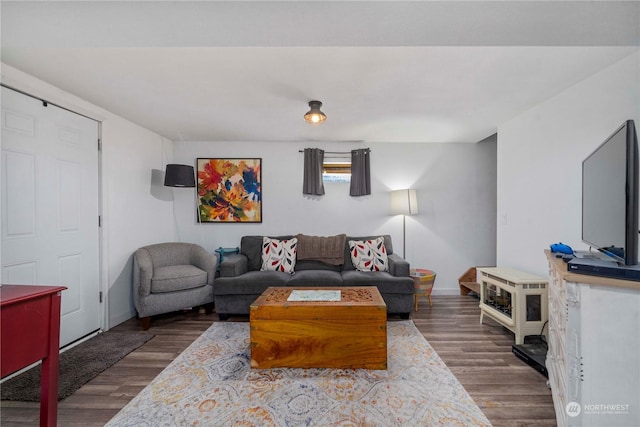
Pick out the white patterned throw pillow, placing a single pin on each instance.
(369, 255)
(279, 255)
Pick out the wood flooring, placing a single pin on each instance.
(507, 390)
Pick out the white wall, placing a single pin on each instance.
(134, 213)
(540, 155)
(138, 209)
(456, 189)
(454, 230)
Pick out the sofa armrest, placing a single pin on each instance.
(142, 272)
(204, 261)
(398, 266)
(234, 265)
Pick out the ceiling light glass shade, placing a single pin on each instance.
(404, 202)
(314, 115)
(179, 176)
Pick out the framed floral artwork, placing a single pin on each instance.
(229, 190)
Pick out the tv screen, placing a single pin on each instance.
(610, 196)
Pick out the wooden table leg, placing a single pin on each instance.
(49, 372)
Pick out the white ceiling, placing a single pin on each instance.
(420, 71)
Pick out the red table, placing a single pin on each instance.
(29, 332)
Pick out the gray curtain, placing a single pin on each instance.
(312, 182)
(360, 172)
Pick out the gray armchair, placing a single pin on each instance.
(172, 276)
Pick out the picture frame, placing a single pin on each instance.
(229, 190)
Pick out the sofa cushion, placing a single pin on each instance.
(308, 264)
(279, 255)
(251, 247)
(385, 282)
(177, 278)
(315, 278)
(369, 255)
(347, 252)
(252, 283)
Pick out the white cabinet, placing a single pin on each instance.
(593, 358)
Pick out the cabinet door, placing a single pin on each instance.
(609, 350)
(556, 354)
(573, 356)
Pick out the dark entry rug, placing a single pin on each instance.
(78, 365)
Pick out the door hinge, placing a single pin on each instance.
(99, 145)
(100, 296)
(99, 220)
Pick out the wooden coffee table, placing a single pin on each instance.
(349, 333)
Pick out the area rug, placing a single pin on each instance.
(78, 365)
(211, 384)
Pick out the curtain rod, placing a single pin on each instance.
(333, 152)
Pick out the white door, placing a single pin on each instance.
(50, 206)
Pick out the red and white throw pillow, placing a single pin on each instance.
(369, 255)
(279, 255)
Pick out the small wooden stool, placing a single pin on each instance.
(423, 281)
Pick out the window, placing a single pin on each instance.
(336, 171)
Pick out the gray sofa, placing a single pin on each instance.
(241, 281)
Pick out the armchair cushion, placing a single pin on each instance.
(177, 278)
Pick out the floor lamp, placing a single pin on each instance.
(180, 176)
(404, 202)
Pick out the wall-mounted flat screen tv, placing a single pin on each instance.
(610, 196)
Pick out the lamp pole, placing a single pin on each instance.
(404, 237)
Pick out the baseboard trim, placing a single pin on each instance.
(120, 318)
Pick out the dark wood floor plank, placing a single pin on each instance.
(509, 392)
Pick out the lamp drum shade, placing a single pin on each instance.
(404, 202)
(179, 176)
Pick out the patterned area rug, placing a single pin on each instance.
(211, 384)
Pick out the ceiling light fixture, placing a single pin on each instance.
(314, 115)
